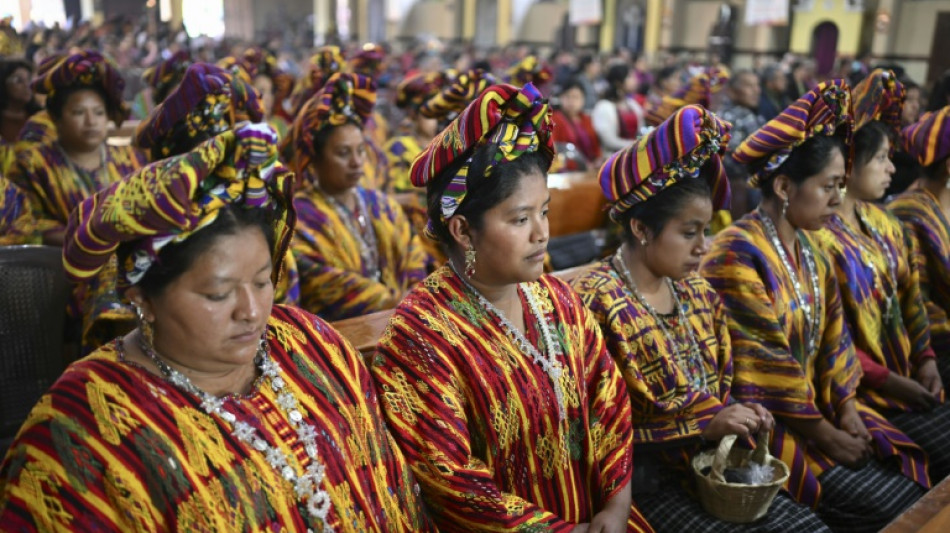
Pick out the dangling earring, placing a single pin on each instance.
(470, 263)
(784, 207)
(643, 242)
(145, 327)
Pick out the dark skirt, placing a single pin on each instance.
(864, 500)
(931, 431)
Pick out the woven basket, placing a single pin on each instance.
(737, 502)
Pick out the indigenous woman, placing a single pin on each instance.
(83, 91)
(494, 378)
(573, 131)
(369, 61)
(791, 347)
(419, 129)
(665, 325)
(207, 102)
(39, 127)
(355, 248)
(880, 293)
(617, 117)
(700, 90)
(220, 412)
(529, 70)
(16, 218)
(17, 104)
(273, 87)
(925, 213)
(160, 80)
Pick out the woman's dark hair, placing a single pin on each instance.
(868, 140)
(666, 73)
(57, 101)
(177, 258)
(805, 161)
(936, 171)
(940, 96)
(483, 194)
(656, 212)
(7, 68)
(615, 77)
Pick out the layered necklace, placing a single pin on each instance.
(812, 312)
(87, 176)
(548, 361)
(692, 366)
(365, 234)
(890, 299)
(307, 485)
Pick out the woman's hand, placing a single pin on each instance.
(929, 377)
(581, 528)
(610, 520)
(741, 419)
(847, 449)
(851, 422)
(916, 393)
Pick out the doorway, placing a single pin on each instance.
(824, 47)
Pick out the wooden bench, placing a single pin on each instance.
(577, 203)
(364, 332)
(931, 514)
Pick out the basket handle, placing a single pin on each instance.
(719, 460)
(761, 453)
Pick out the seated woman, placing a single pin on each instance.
(494, 378)
(160, 80)
(17, 105)
(880, 292)
(17, 225)
(417, 128)
(573, 132)
(355, 249)
(209, 101)
(925, 213)
(84, 91)
(617, 117)
(665, 325)
(220, 412)
(791, 346)
(700, 90)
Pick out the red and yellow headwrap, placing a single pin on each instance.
(687, 145)
(417, 89)
(698, 90)
(344, 98)
(529, 70)
(928, 139)
(515, 121)
(878, 97)
(457, 94)
(824, 110)
(168, 72)
(169, 200)
(369, 60)
(208, 101)
(85, 68)
(326, 62)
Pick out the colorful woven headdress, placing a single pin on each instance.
(515, 121)
(878, 97)
(86, 68)
(928, 139)
(417, 89)
(326, 62)
(169, 200)
(457, 94)
(529, 70)
(698, 90)
(345, 98)
(208, 101)
(167, 73)
(262, 62)
(687, 145)
(824, 110)
(369, 60)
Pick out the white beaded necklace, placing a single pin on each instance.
(812, 314)
(695, 359)
(306, 486)
(550, 364)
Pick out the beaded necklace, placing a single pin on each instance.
(812, 315)
(87, 176)
(692, 366)
(889, 298)
(552, 348)
(306, 485)
(365, 234)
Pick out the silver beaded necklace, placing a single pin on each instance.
(550, 363)
(365, 234)
(812, 314)
(307, 485)
(695, 360)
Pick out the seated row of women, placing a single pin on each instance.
(499, 398)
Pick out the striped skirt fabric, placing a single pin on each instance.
(865, 500)
(931, 431)
(673, 510)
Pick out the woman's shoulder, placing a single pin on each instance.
(598, 279)
(882, 219)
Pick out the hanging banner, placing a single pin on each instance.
(585, 12)
(767, 12)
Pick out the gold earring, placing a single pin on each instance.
(470, 263)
